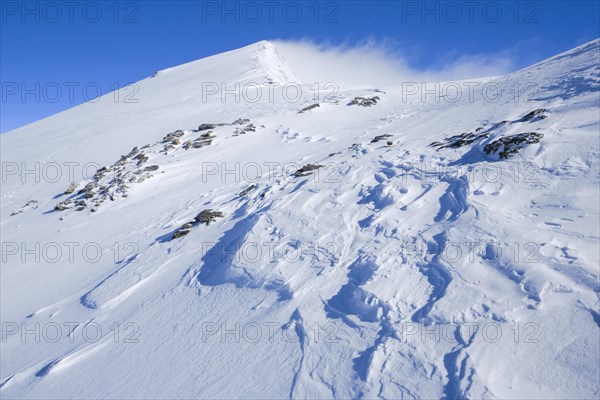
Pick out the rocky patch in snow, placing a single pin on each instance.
(509, 145)
(309, 108)
(205, 217)
(248, 128)
(114, 181)
(247, 190)
(307, 170)
(535, 115)
(467, 138)
(30, 205)
(364, 101)
(380, 138)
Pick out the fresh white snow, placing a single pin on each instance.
(396, 270)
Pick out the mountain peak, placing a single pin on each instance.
(257, 63)
(273, 64)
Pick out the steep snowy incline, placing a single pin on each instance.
(174, 98)
(368, 243)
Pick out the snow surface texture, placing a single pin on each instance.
(390, 246)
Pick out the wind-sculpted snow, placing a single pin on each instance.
(346, 246)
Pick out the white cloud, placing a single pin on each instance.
(376, 64)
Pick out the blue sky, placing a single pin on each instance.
(55, 56)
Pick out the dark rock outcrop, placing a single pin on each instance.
(380, 138)
(309, 108)
(63, 205)
(307, 170)
(460, 140)
(197, 144)
(204, 217)
(30, 205)
(180, 233)
(208, 216)
(534, 115)
(248, 128)
(364, 101)
(205, 127)
(509, 145)
(247, 190)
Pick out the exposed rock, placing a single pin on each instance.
(460, 140)
(247, 190)
(205, 127)
(208, 216)
(200, 143)
(151, 168)
(204, 217)
(62, 205)
(205, 139)
(309, 108)
(99, 174)
(240, 121)
(142, 158)
(29, 205)
(307, 170)
(509, 145)
(499, 125)
(534, 115)
(173, 138)
(180, 233)
(71, 188)
(466, 138)
(247, 128)
(80, 203)
(380, 138)
(364, 101)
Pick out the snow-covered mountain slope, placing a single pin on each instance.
(393, 242)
